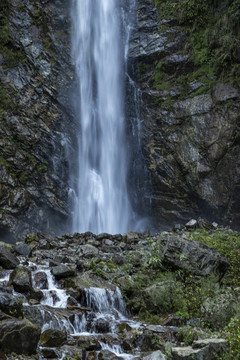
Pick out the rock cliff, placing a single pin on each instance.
(35, 117)
(191, 122)
(190, 132)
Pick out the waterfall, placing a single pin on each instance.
(99, 51)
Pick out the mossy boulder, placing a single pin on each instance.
(19, 336)
(21, 279)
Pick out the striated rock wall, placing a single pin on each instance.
(35, 116)
(191, 124)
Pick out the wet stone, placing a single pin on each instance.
(53, 338)
(62, 271)
(102, 326)
(49, 353)
(41, 280)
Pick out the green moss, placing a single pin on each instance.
(21, 7)
(141, 68)
(23, 177)
(12, 56)
(213, 29)
(42, 167)
(3, 162)
(6, 102)
(29, 238)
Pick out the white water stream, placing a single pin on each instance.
(99, 50)
(108, 310)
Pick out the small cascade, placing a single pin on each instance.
(106, 301)
(4, 276)
(80, 325)
(97, 318)
(53, 296)
(117, 350)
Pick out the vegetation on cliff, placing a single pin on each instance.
(213, 28)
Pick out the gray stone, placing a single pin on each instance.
(23, 249)
(156, 355)
(89, 251)
(10, 304)
(41, 280)
(7, 259)
(191, 224)
(179, 251)
(198, 105)
(224, 92)
(207, 349)
(62, 271)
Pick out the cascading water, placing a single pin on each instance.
(99, 50)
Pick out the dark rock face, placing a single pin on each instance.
(190, 131)
(190, 139)
(35, 119)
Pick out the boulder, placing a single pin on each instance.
(23, 249)
(192, 224)
(89, 343)
(156, 355)
(107, 355)
(89, 251)
(41, 280)
(207, 349)
(223, 92)
(179, 252)
(102, 326)
(53, 338)
(19, 336)
(21, 279)
(49, 353)
(7, 259)
(62, 271)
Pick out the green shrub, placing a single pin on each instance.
(227, 243)
(232, 334)
(29, 238)
(188, 334)
(213, 29)
(218, 310)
